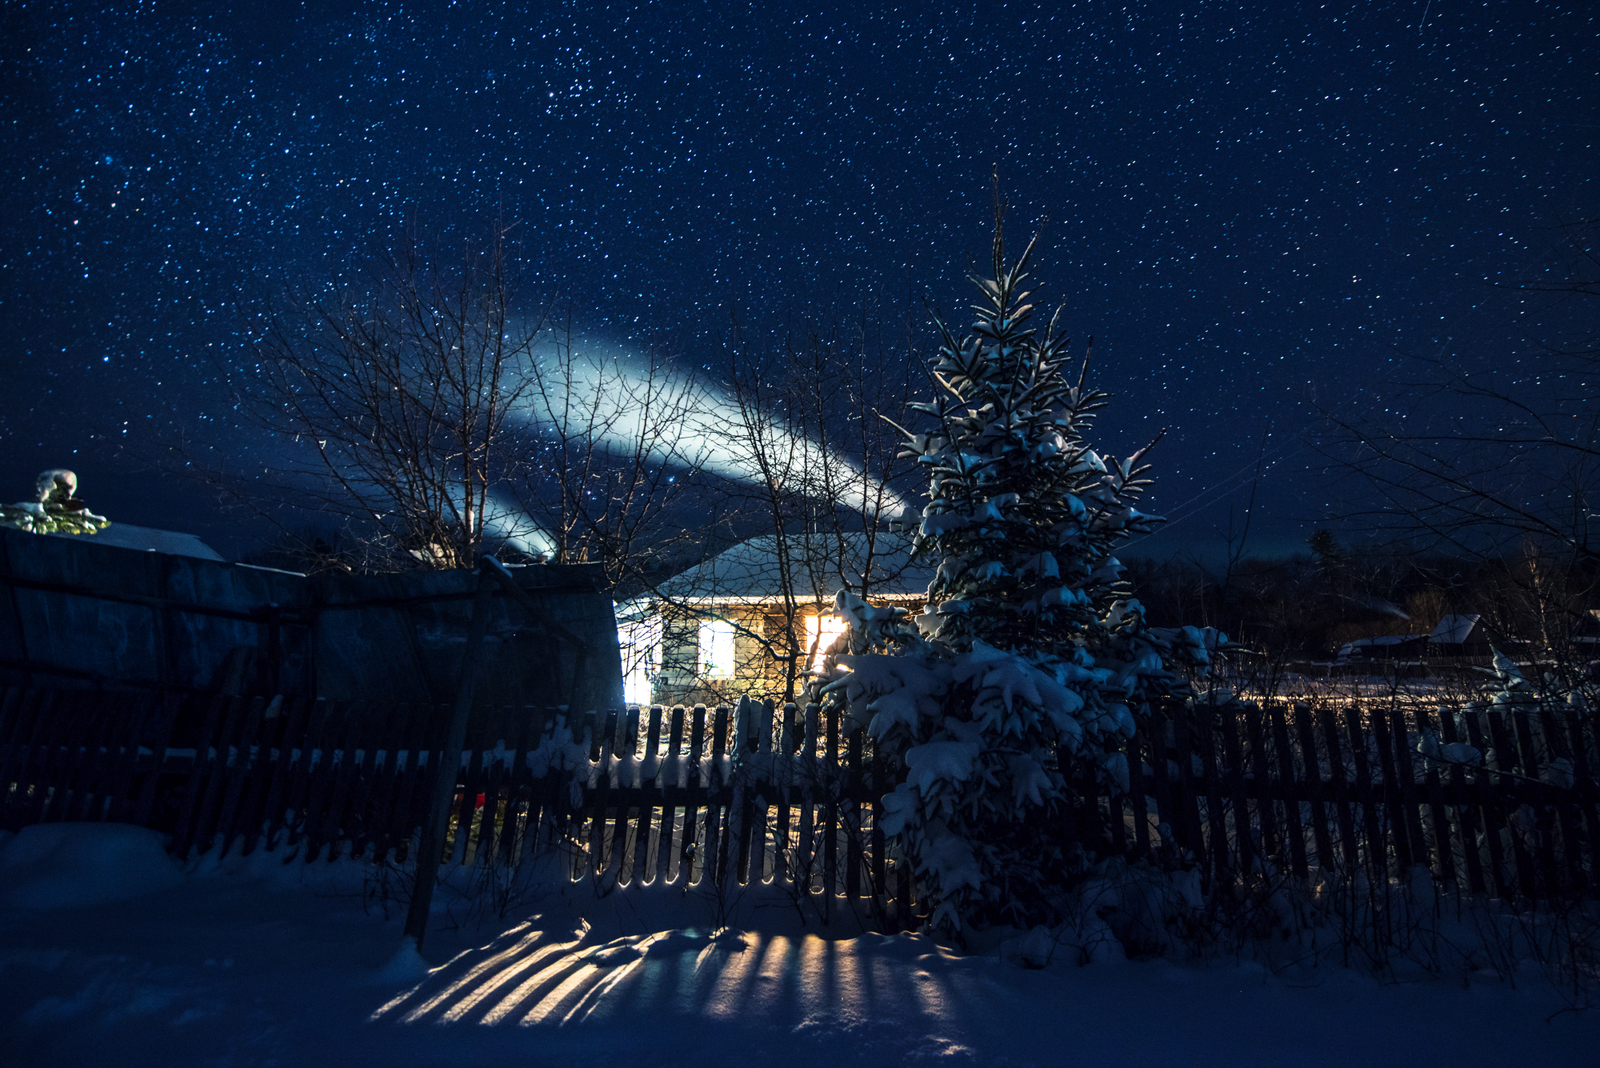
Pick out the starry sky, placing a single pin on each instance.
(1257, 209)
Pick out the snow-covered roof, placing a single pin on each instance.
(148, 539)
(749, 572)
(1453, 630)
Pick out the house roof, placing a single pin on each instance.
(1453, 630)
(148, 539)
(749, 572)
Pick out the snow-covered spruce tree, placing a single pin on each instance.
(1032, 663)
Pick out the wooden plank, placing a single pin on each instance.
(321, 786)
(1366, 795)
(697, 780)
(32, 727)
(223, 750)
(61, 726)
(1214, 869)
(421, 727)
(569, 819)
(757, 727)
(1186, 806)
(830, 811)
(119, 771)
(1261, 785)
(183, 836)
(537, 802)
(1243, 836)
(1494, 816)
(1509, 759)
(1586, 788)
(251, 759)
(852, 819)
(1339, 787)
(470, 800)
(648, 822)
(298, 797)
(626, 810)
(253, 811)
(534, 792)
(13, 699)
(1466, 812)
(1393, 804)
(1410, 796)
(1548, 868)
(783, 860)
(169, 708)
(293, 750)
(805, 855)
(334, 825)
(667, 778)
(719, 816)
(26, 721)
(1566, 805)
(361, 819)
(500, 798)
(1294, 830)
(1314, 786)
(1438, 813)
(602, 795)
(78, 781)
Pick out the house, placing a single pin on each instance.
(1455, 635)
(756, 618)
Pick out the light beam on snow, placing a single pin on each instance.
(694, 426)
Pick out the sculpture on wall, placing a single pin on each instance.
(54, 509)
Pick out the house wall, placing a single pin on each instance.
(757, 673)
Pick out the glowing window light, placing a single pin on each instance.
(716, 648)
(821, 631)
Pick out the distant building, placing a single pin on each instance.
(709, 634)
(1456, 635)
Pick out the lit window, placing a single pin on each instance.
(716, 647)
(821, 632)
(639, 640)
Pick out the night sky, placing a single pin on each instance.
(1255, 213)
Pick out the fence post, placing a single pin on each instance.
(444, 782)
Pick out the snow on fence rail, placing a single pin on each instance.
(1495, 802)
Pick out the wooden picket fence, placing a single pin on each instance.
(1345, 791)
(780, 793)
(638, 795)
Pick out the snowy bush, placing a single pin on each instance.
(1032, 664)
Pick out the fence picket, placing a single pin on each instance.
(762, 795)
(1294, 830)
(1493, 816)
(120, 769)
(1261, 783)
(184, 834)
(1439, 816)
(1215, 861)
(1393, 812)
(1243, 839)
(78, 780)
(242, 768)
(1586, 790)
(672, 766)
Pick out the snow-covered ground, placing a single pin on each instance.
(110, 955)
